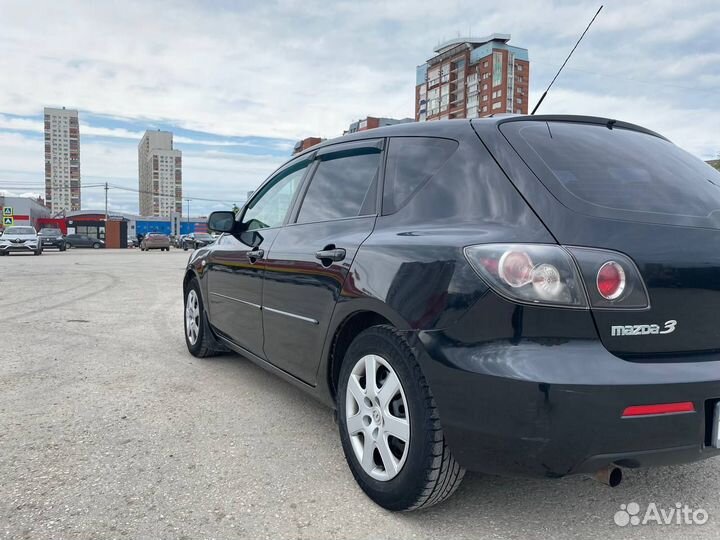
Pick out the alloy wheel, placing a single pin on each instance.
(192, 317)
(377, 418)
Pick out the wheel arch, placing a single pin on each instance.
(190, 273)
(350, 322)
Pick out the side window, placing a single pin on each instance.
(343, 186)
(270, 207)
(411, 162)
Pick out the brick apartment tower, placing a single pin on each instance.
(160, 175)
(62, 160)
(472, 77)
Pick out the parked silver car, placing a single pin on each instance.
(20, 238)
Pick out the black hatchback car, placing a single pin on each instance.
(515, 295)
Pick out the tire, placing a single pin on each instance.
(185, 248)
(68, 246)
(96, 245)
(63, 248)
(205, 343)
(427, 472)
(38, 252)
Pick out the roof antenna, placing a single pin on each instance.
(565, 62)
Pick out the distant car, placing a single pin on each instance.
(132, 242)
(52, 238)
(83, 241)
(176, 241)
(20, 239)
(196, 240)
(155, 241)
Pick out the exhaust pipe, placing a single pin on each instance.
(610, 476)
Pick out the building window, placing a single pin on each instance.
(497, 68)
(497, 105)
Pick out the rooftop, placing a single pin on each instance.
(474, 41)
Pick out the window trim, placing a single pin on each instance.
(379, 143)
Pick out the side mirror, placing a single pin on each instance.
(223, 221)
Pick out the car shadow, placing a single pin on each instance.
(574, 506)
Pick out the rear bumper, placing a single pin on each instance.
(540, 408)
(56, 244)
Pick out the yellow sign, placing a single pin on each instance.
(8, 221)
(7, 211)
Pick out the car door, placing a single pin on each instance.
(77, 240)
(311, 256)
(236, 263)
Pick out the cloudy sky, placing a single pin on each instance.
(238, 82)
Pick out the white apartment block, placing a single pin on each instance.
(62, 160)
(160, 175)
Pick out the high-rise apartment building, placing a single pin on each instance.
(160, 175)
(62, 160)
(471, 77)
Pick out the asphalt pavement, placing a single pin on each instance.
(110, 429)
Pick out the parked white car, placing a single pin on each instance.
(20, 238)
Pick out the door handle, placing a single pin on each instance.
(255, 254)
(335, 254)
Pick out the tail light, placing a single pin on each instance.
(560, 276)
(613, 281)
(532, 273)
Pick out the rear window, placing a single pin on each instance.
(618, 173)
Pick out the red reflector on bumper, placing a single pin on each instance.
(663, 408)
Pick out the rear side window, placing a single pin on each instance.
(618, 173)
(343, 186)
(411, 162)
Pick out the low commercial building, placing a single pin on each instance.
(120, 226)
(22, 211)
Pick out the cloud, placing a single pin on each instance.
(238, 82)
